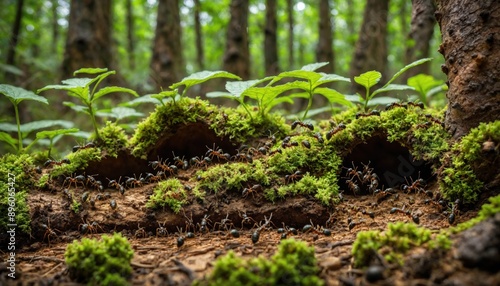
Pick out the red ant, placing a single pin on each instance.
(251, 190)
(334, 131)
(217, 153)
(309, 126)
(293, 177)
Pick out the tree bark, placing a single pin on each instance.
(324, 50)
(55, 26)
(88, 43)
(130, 35)
(237, 54)
(167, 62)
(371, 47)
(470, 46)
(200, 53)
(271, 39)
(291, 56)
(420, 36)
(14, 37)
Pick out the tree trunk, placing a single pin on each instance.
(88, 43)
(130, 35)
(371, 47)
(167, 62)
(470, 46)
(55, 26)
(14, 37)
(351, 30)
(291, 56)
(237, 54)
(200, 53)
(422, 29)
(271, 39)
(324, 50)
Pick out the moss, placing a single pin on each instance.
(78, 161)
(169, 193)
(104, 262)
(396, 241)
(487, 210)
(233, 176)
(293, 264)
(164, 117)
(15, 180)
(43, 180)
(321, 188)
(458, 179)
(113, 138)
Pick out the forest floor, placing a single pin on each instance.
(158, 260)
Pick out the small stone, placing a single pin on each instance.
(374, 273)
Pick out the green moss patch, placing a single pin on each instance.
(169, 193)
(104, 262)
(293, 264)
(113, 138)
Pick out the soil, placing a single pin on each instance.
(158, 260)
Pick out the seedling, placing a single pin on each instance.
(371, 78)
(426, 86)
(81, 89)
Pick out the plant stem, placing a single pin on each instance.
(19, 137)
(94, 122)
(367, 98)
(309, 102)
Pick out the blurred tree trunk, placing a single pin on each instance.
(89, 42)
(167, 62)
(55, 26)
(270, 39)
(351, 30)
(14, 38)
(371, 47)
(237, 54)
(130, 35)
(200, 53)
(324, 50)
(291, 56)
(471, 49)
(421, 32)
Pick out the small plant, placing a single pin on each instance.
(293, 264)
(371, 78)
(85, 89)
(16, 95)
(105, 262)
(426, 86)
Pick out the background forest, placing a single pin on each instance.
(44, 42)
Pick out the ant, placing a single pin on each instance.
(225, 222)
(150, 178)
(396, 104)
(161, 230)
(316, 229)
(180, 162)
(435, 120)
(140, 232)
(293, 177)
(204, 223)
(306, 144)
(48, 231)
(50, 163)
(116, 185)
(319, 137)
(371, 113)
(407, 213)
(197, 162)
(417, 186)
(251, 190)
(242, 157)
(80, 179)
(352, 186)
(454, 211)
(189, 221)
(277, 150)
(416, 104)
(97, 185)
(85, 227)
(81, 147)
(245, 219)
(334, 131)
(133, 182)
(256, 234)
(353, 173)
(289, 144)
(309, 126)
(217, 153)
(382, 194)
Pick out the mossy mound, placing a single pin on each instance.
(105, 262)
(293, 264)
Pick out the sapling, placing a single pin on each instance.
(85, 89)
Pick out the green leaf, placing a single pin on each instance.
(5, 137)
(76, 107)
(237, 88)
(11, 69)
(119, 113)
(200, 77)
(90, 71)
(325, 78)
(165, 94)
(382, 100)
(42, 124)
(272, 103)
(110, 89)
(53, 133)
(148, 98)
(333, 96)
(423, 83)
(368, 79)
(18, 94)
(302, 74)
(392, 87)
(81, 134)
(217, 94)
(353, 98)
(313, 67)
(8, 127)
(407, 67)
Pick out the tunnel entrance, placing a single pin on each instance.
(389, 163)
